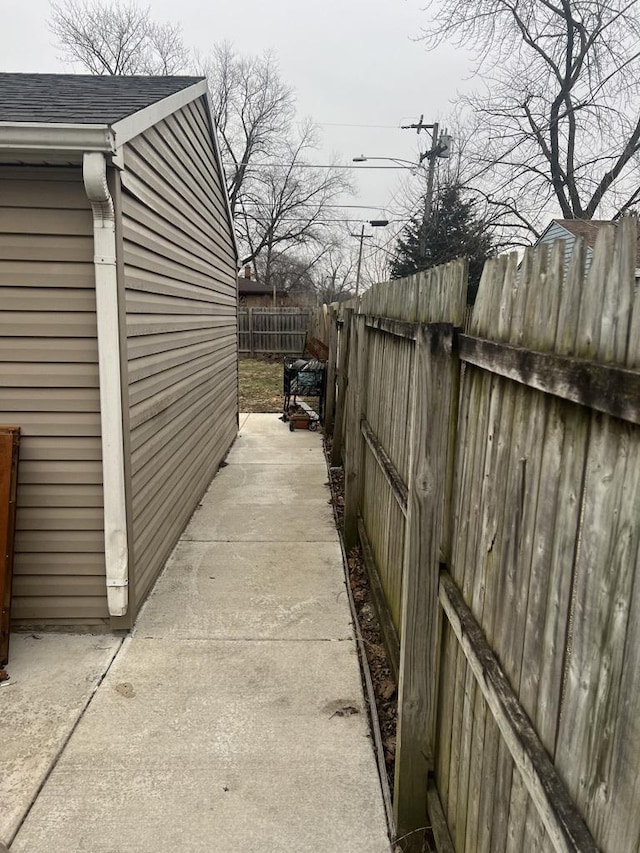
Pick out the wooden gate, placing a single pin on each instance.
(9, 441)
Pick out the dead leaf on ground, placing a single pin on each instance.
(388, 689)
(345, 711)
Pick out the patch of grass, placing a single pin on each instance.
(260, 385)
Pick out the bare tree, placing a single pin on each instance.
(292, 272)
(336, 273)
(314, 272)
(253, 110)
(278, 201)
(557, 122)
(286, 204)
(120, 38)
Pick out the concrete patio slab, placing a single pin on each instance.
(262, 483)
(250, 591)
(198, 746)
(53, 676)
(282, 447)
(306, 521)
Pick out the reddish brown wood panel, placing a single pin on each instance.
(9, 441)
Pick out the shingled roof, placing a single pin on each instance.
(81, 98)
(588, 229)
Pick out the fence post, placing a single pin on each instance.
(9, 442)
(250, 327)
(343, 366)
(353, 473)
(330, 390)
(420, 615)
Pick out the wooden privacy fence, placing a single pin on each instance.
(282, 331)
(493, 479)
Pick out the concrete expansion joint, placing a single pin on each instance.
(191, 640)
(65, 741)
(258, 541)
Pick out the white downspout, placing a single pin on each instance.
(94, 170)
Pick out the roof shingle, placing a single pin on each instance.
(588, 229)
(81, 98)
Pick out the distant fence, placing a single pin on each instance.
(492, 471)
(281, 331)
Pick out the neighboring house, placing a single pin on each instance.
(569, 230)
(253, 294)
(118, 332)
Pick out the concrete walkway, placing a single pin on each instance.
(232, 720)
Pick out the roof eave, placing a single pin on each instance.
(136, 123)
(28, 141)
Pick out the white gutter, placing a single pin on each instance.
(57, 140)
(116, 552)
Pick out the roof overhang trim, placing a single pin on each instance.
(59, 141)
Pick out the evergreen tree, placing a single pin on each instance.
(453, 231)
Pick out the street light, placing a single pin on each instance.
(374, 223)
(405, 164)
(440, 147)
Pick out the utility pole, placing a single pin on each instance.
(439, 148)
(374, 223)
(428, 200)
(359, 260)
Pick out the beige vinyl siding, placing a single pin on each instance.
(181, 313)
(49, 387)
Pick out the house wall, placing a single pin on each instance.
(556, 232)
(181, 318)
(49, 387)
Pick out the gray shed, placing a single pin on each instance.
(118, 332)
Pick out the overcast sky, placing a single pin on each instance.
(351, 62)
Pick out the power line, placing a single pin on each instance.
(320, 221)
(343, 124)
(347, 206)
(313, 166)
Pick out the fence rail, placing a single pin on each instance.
(281, 331)
(493, 479)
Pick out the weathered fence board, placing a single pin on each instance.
(564, 825)
(332, 343)
(353, 469)
(419, 651)
(342, 343)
